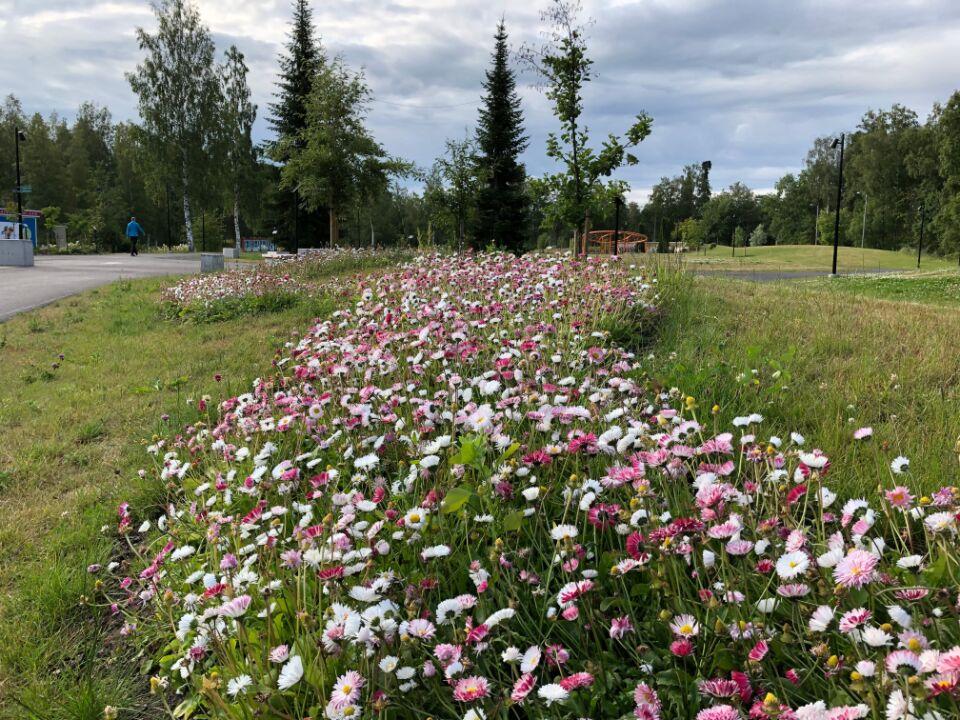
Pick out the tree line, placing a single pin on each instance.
(898, 172)
(190, 170)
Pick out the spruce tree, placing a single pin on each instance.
(502, 202)
(299, 65)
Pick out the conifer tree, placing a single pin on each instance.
(502, 202)
(298, 68)
(302, 60)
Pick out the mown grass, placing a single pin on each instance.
(931, 288)
(821, 363)
(74, 433)
(798, 258)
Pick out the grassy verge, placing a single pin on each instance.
(800, 258)
(73, 439)
(812, 360)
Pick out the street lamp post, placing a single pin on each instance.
(617, 202)
(836, 219)
(863, 225)
(920, 244)
(18, 136)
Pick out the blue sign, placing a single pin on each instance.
(8, 224)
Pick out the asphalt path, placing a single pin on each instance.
(54, 277)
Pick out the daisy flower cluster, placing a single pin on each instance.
(311, 273)
(210, 289)
(460, 497)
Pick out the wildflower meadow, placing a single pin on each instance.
(460, 496)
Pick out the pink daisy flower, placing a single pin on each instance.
(857, 569)
(471, 688)
(346, 691)
(899, 497)
(719, 712)
(853, 619)
(523, 687)
(577, 680)
(620, 626)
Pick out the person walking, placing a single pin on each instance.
(134, 231)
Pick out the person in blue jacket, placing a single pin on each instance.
(134, 231)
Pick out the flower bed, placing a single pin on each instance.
(272, 286)
(460, 499)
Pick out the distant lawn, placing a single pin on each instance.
(74, 433)
(823, 363)
(940, 289)
(813, 257)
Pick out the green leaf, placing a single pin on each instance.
(456, 499)
(935, 573)
(513, 521)
(187, 707)
(510, 452)
(724, 660)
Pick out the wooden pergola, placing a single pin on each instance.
(602, 242)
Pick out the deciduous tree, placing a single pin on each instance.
(179, 94)
(565, 67)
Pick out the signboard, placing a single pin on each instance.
(8, 230)
(258, 244)
(8, 224)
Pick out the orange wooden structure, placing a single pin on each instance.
(600, 242)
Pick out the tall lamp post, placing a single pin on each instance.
(19, 135)
(617, 203)
(836, 220)
(863, 225)
(920, 244)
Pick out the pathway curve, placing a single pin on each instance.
(54, 277)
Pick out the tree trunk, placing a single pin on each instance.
(334, 228)
(187, 219)
(236, 219)
(586, 231)
(373, 238)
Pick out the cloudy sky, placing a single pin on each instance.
(745, 83)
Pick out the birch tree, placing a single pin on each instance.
(179, 92)
(238, 117)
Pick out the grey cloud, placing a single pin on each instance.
(747, 84)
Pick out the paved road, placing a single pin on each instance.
(57, 276)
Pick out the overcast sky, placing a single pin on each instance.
(747, 84)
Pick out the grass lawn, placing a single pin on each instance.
(812, 257)
(933, 288)
(74, 432)
(822, 363)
